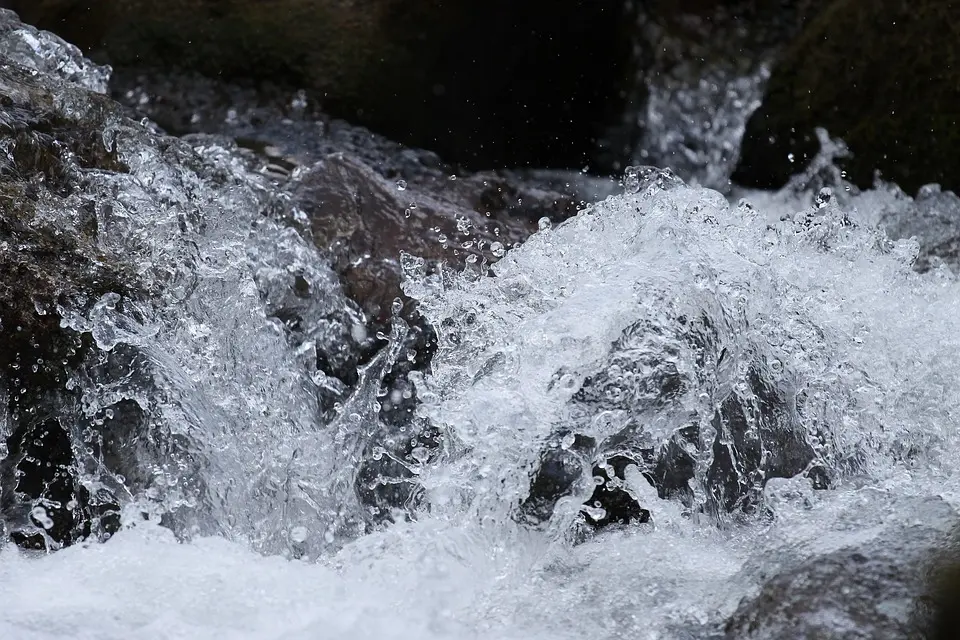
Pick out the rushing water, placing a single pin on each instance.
(580, 329)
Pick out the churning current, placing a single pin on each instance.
(778, 376)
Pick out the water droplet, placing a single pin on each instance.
(544, 224)
(401, 185)
(595, 513)
(299, 534)
(824, 197)
(497, 249)
(568, 382)
(40, 515)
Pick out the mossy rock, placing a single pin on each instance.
(884, 76)
(484, 83)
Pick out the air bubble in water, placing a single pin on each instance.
(596, 513)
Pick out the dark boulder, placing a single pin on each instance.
(895, 585)
(872, 75)
(490, 83)
(756, 431)
(44, 263)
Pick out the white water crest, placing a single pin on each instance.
(797, 305)
(835, 303)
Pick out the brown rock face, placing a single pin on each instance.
(366, 222)
(485, 84)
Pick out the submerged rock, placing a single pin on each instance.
(888, 586)
(46, 262)
(754, 434)
(889, 93)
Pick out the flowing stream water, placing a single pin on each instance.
(251, 475)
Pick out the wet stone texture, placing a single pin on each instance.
(889, 586)
(66, 199)
(43, 153)
(755, 434)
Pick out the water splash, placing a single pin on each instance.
(797, 310)
(655, 311)
(44, 52)
(693, 123)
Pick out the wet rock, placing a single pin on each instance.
(754, 434)
(886, 587)
(365, 201)
(366, 223)
(82, 428)
(889, 93)
(43, 151)
(933, 219)
(423, 73)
